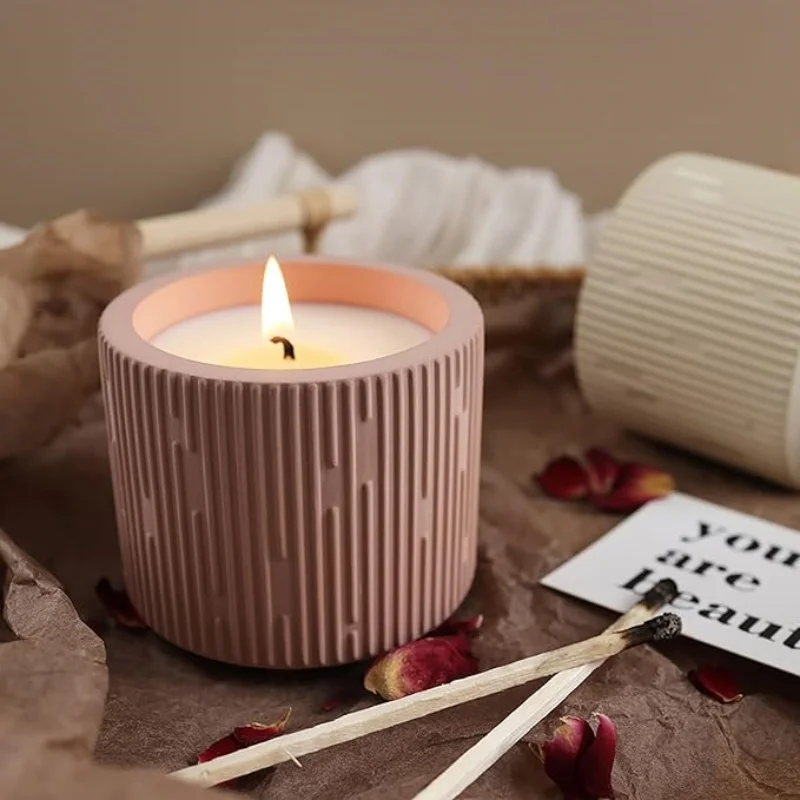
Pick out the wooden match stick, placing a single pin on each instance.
(481, 756)
(386, 715)
(191, 230)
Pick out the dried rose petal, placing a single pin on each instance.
(222, 747)
(718, 682)
(609, 485)
(118, 605)
(597, 762)
(636, 485)
(564, 478)
(603, 471)
(562, 753)
(256, 732)
(469, 626)
(420, 665)
(242, 737)
(332, 703)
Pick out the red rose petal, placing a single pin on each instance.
(469, 626)
(717, 682)
(118, 605)
(222, 747)
(256, 732)
(597, 762)
(332, 703)
(610, 485)
(564, 478)
(603, 470)
(562, 752)
(636, 485)
(420, 665)
(243, 736)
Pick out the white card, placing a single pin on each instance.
(739, 576)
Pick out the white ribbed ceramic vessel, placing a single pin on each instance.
(689, 321)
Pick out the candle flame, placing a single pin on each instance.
(276, 311)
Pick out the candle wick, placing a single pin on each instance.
(288, 347)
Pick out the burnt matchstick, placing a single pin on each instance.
(288, 347)
(665, 591)
(471, 765)
(658, 629)
(386, 715)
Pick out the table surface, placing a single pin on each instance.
(164, 706)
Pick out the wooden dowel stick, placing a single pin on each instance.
(191, 230)
(480, 757)
(377, 718)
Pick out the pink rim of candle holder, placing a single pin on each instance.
(298, 518)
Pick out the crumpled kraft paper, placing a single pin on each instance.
(99, 715)
(164, 705)
(53, 287)
(56, 663)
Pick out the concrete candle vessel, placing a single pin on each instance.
(305, 517)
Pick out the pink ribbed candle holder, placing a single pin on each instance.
(297, 518)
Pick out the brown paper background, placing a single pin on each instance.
(164, 706)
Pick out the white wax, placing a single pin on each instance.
(353, 333)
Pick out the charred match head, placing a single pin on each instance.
(658, 629)
(665, 591)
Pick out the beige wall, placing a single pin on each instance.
(141, 106)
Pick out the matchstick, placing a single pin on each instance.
(481, 756)
(377, 718)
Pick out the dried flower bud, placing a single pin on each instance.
(580, 759)
(420, 665)
(562, 752)
(717, 682)
(596, 764)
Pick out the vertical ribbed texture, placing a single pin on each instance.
(296, 525)
(689, 321)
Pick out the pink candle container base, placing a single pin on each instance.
(300, 518)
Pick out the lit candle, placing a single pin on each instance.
(279, 335)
